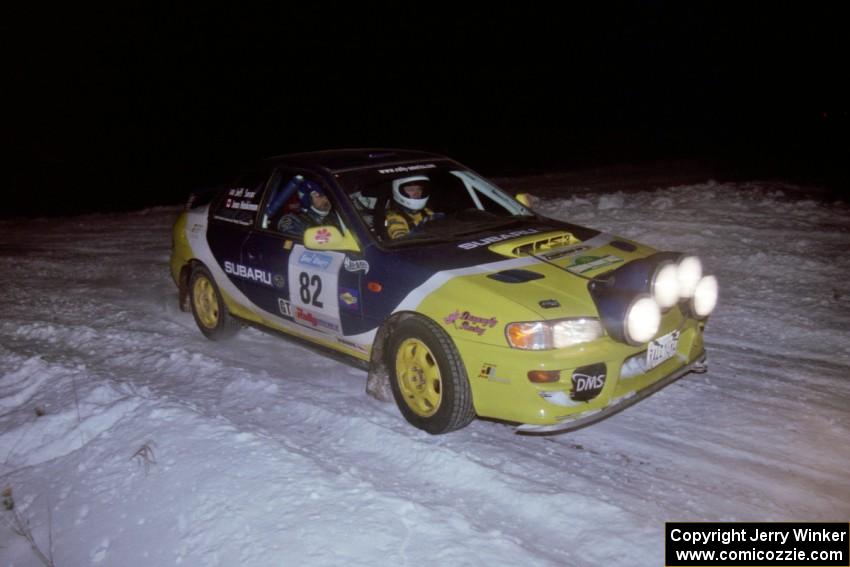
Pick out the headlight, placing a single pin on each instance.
(665, 285)
(689, 272)
(705, 296)
(545, 335)
(642, 320)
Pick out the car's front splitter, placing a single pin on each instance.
(571, 424)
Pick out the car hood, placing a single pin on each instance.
(532, 272)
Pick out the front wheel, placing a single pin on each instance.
(428, 379)
(208, 308)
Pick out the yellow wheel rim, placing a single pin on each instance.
(206, 302)
(418, 377)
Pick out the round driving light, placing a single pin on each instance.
(642, 320)
(705, 296)
(689, 271)
(665, 286)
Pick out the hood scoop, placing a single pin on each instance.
(534, 244)
(515, 276)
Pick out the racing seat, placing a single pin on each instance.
(276, 206)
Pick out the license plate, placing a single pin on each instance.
(661, 349)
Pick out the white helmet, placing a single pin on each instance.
(410, 203)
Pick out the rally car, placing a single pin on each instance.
(481, 307)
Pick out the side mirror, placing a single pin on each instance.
(329, 238)
(527, 199)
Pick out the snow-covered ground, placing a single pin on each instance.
(128, 439)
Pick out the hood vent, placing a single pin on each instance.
(515, 276)
(534, 244)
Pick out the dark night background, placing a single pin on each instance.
(120, 108)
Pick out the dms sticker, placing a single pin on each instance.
(588, 382)
(315, 260)
(584, 264)
(349, 298)
(466, 321)
(356, 265)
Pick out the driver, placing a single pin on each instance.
(407, 209)
(315, 211)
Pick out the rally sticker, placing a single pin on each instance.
(315, 260)
(349, 298)
(314, 320)
(488, 372)
(584, 264)
(466, 321)
(248, 273)
(284, 307)
(356, 265)
(323, 236)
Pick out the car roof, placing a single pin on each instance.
(335, 161)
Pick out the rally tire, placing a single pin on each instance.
(428, 379)
(208, 308)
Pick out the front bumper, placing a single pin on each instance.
(615, 406)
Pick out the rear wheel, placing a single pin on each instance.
(428, 380)
(208, 308)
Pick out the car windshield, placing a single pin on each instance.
(429, 201)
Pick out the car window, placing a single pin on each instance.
(297, 201)
(458, 199)
(240, 201)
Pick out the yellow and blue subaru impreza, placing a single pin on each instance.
(457, 297)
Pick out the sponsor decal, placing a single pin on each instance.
(310, 318)
(246, 273)
(284, 307)
(584, 264)
(349, 298)
(323, 236)
(242, 192)
(356, 265)
(355, 346)
(466, 321)
(234, 221)
(241, 205)
(588, 382)
(406, 168)
(315, 260)
(279, 281)
(557, 254)
(491, 239)
(488, 372)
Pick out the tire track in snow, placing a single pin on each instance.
(360, 433)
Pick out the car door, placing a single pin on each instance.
(232, 216)
(300, 288)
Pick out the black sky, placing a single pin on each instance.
(134, 105)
